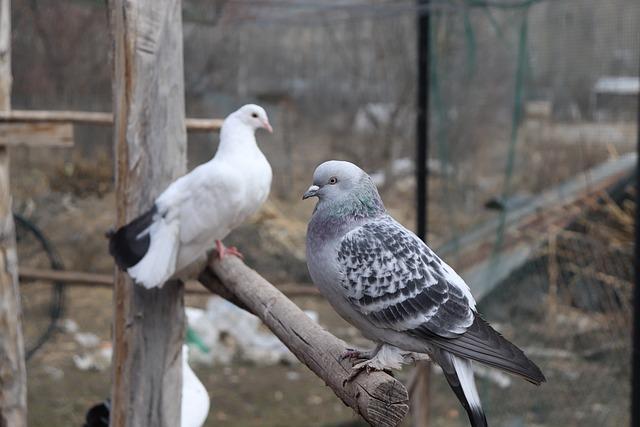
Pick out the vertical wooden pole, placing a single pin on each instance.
(419, 395)
(13, 378)
(635, 354)
(420, 391)
(150, 151)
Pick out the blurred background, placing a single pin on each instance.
(532, 132)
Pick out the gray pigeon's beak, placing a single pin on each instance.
(311, 192)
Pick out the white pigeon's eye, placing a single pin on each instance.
(254, 115)
(333, 180)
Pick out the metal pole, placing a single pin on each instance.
(635, 364)
(420, 392)
(422, 120)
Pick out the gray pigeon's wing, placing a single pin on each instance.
(398, 283)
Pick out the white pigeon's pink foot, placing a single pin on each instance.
(222, 250)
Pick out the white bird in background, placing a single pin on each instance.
(389, 284)
(199, 209)
(195, 399)
(194, 406)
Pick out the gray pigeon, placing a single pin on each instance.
(385, 281)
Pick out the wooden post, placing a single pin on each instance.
(635, 349)
(420, 390)
(13, 378)
(150, 148)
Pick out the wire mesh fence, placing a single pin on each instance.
(532, 132)
(528, 118)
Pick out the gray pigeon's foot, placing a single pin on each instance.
(369, 365)
(354, 354)
(222, 250)
(372, 361)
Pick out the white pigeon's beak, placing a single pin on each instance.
(311, 192)
(267, 126)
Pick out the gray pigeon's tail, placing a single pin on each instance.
(484, 344)
(459, 375)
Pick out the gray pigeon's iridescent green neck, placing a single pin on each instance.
(364, 202)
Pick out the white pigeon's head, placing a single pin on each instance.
(343, 183)
(253, 116)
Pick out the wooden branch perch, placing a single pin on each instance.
(378, 397)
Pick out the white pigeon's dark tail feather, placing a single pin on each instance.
(484, 344)
(126, 245)
(147, 247)
(459, 375)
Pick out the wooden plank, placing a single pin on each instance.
(36, 135)
(81, 278)
(44, 116)
(13, 378)
(204, 125)
(150, 146)
(68, 277)
(92, 118)
(377, 397)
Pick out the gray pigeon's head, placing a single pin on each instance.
(253, 116)
(346, 187)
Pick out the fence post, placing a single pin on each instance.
(420, 390)
(150, 151)
(13, 377)
(635, 349)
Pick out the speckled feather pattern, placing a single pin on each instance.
(394, 279)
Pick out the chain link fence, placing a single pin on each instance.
(532, 139)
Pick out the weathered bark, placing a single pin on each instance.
(150, 145)
(379, 398)
(13, 379)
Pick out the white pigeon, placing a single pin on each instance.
(385, 281)
(199, 209)
(195, 399)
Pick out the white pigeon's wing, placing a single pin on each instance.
(398, 283)
(215, 195)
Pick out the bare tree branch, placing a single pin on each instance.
(377, 397)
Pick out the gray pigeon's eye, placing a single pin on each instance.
(333, 180)
(254, 115)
